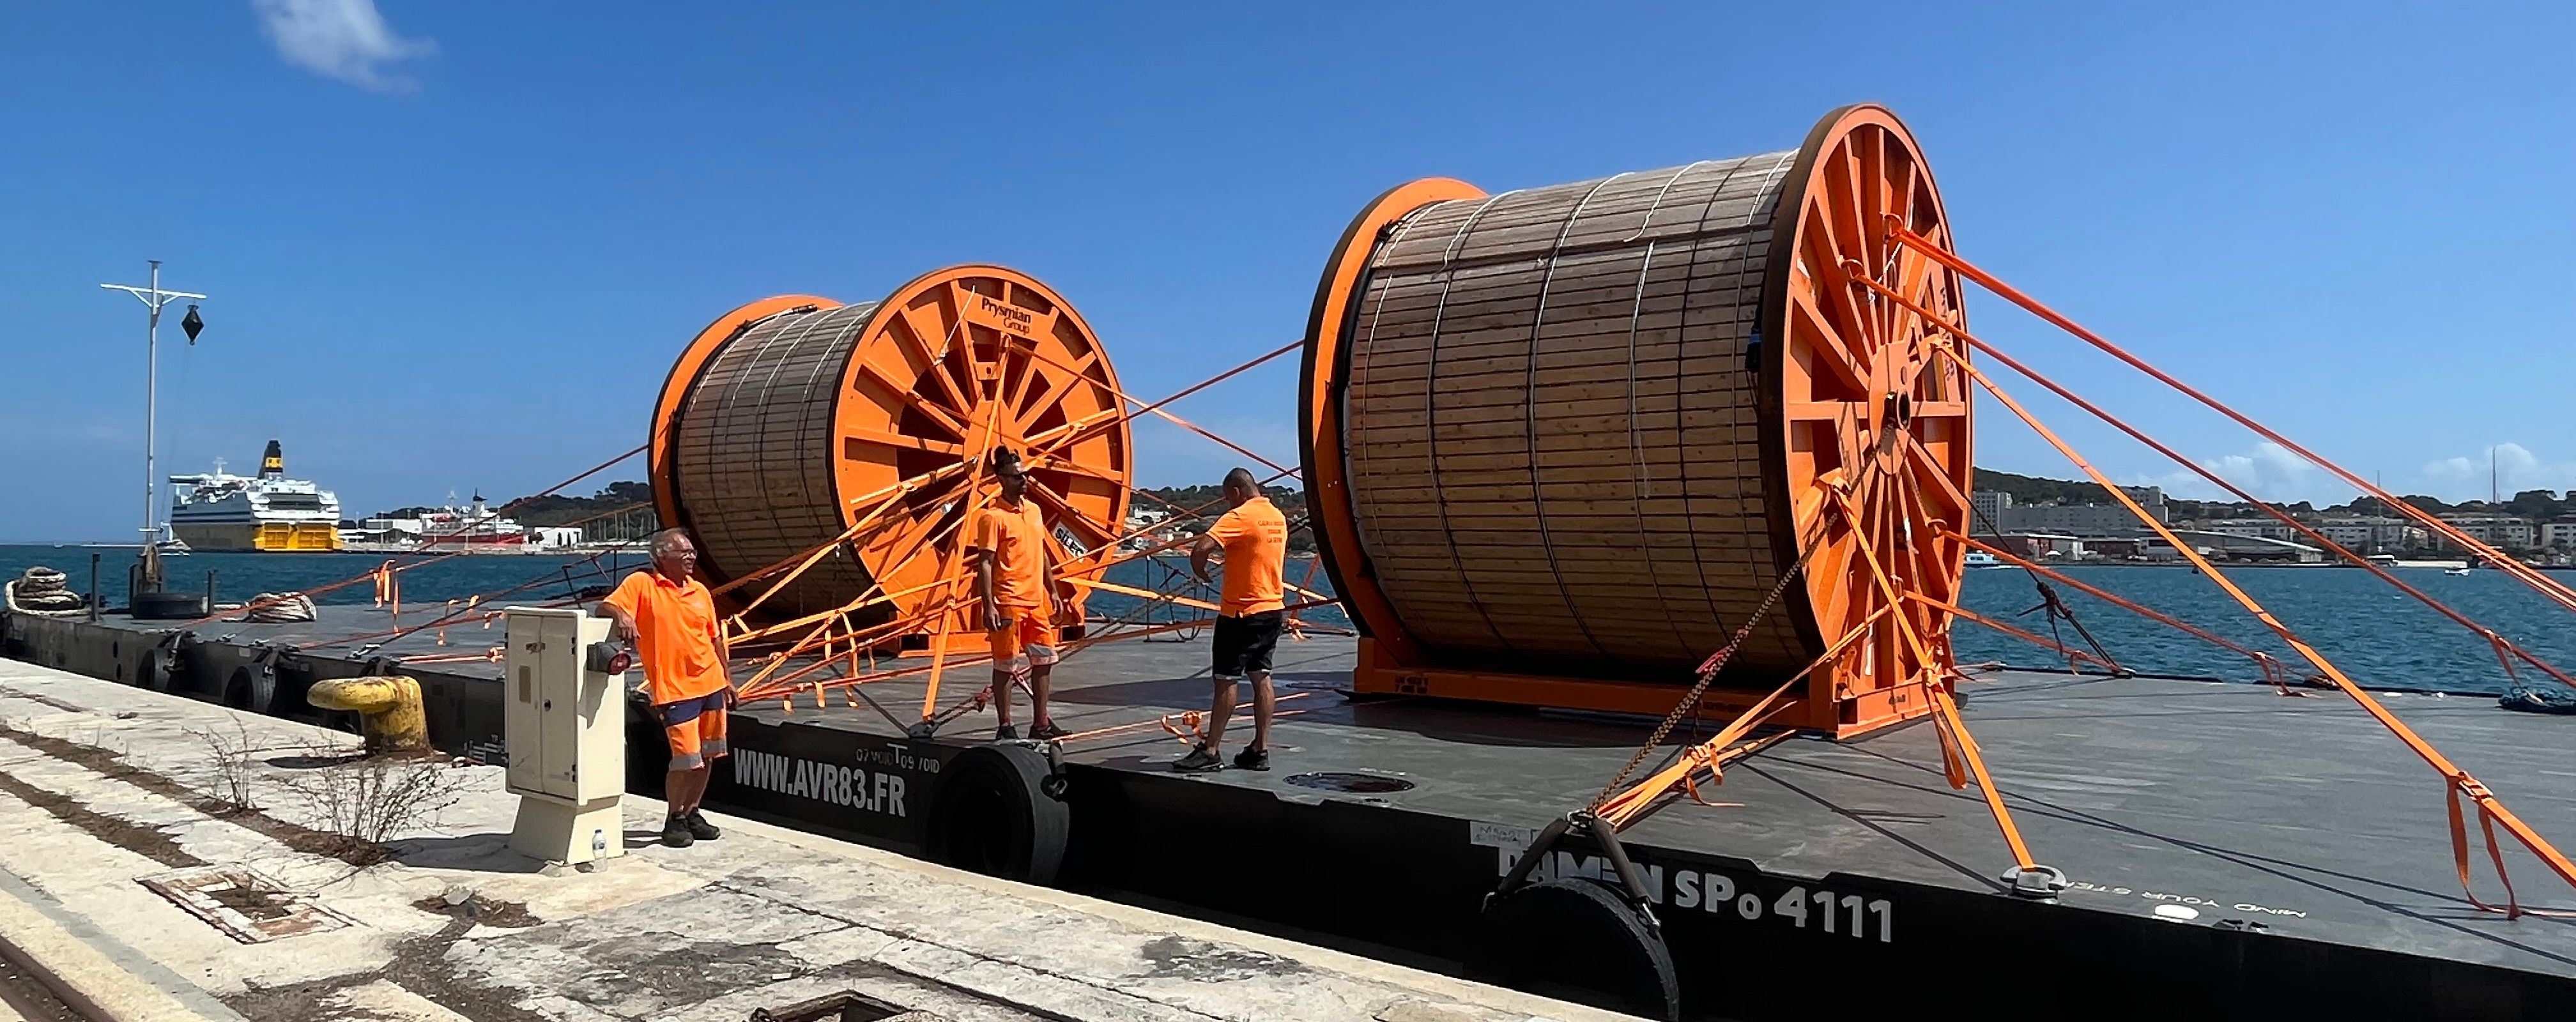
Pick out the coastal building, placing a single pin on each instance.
(1990, 506)
(1999, 513)
(2559, 535)
(2362, 532)
(2116, 547)
(2505, 532)
(2263, 528)
(2077, 519)
(2039, 546)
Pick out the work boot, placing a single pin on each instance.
(699, 828)
(1199, 761)
(1046, 731)
(1006, 733)
(675, 833)
(1252, 759)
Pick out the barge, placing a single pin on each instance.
(2232, 853)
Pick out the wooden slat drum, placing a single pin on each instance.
(1581, 431)
(798, 422)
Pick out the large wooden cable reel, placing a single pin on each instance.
(1560, 442)
(796, 422)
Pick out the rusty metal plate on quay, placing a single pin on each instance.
(244, 903)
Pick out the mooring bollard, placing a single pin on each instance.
(388, 708)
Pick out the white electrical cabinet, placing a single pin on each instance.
(565, 726)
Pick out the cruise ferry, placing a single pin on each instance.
(268, 512)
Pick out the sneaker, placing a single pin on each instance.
(1046, 731)
(1199, 761)
(1252, 759)
(675, 833)
(700, 829)
(1006, 733)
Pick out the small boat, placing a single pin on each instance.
(2461, 570)
(1982, 559)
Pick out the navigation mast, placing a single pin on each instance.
(154, 299)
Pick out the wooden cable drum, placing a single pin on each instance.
(797, 422)
(1561, 442)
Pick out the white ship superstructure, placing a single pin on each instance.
(474, 526)
(222, 511)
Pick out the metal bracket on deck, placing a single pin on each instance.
(1056, 782)
(2038, 882)
(1631, 881)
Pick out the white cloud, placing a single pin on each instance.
(2269, 471)
(343, 39)
(2515, 468)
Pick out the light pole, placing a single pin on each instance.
(154, 299)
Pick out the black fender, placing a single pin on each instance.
(992, 813)
(159, 670)
(253, 686)
(1579, 940)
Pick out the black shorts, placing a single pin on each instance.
(1243, 644)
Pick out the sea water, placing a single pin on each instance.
(2381, 637)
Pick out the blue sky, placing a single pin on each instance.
(456, 245)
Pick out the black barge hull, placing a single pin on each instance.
(2235, 854)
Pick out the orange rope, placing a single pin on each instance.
(1953, 730)
(2042, 641)
(431, 541)
(2214, 478)
(2262, 660)
(2458, 780)
(2529, 576)
(1627, 806)
(1085, 432)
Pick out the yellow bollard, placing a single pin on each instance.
(388, 708)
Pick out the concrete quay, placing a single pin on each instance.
(103, 786)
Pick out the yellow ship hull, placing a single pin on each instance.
(265, 537)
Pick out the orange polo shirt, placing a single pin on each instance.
(1015, 539)
(675, 636)
(1255, 538)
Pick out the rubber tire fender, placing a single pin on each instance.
(159, 670)
(990, 813)
(252, 687)
(1577, 939)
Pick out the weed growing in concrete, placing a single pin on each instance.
(364, 803)
(231, 759)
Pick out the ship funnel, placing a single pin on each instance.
(272, 465)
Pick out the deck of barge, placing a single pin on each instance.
(2235, 853)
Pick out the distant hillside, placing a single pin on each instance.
(2035, 490)
(559, 509)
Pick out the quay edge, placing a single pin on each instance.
(2191, 807)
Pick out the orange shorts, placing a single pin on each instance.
(696, 729)
(1027, 641)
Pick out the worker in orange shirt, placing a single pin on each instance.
(1015, 588)
(667, 614)
(1254, 538)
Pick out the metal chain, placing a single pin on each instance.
(1708, 669)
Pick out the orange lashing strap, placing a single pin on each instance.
(2489, 807)
(2463, 784)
